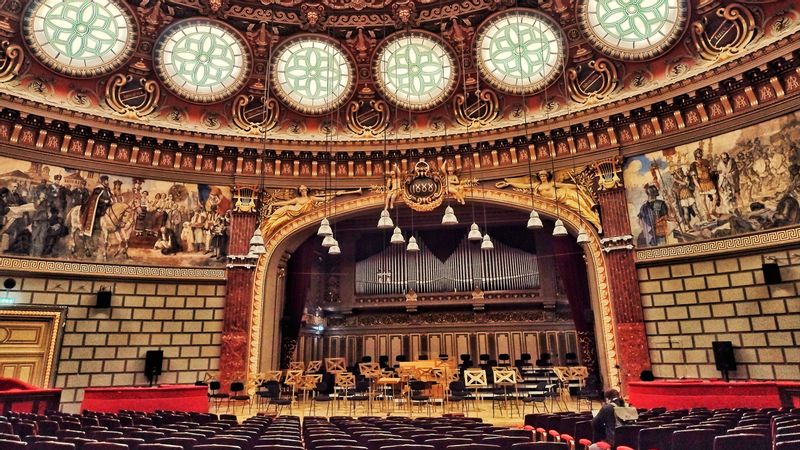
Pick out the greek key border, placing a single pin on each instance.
(721, 246)
(108, 270)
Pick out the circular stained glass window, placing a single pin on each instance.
(415, 71)
(312, 74)
(633, 29)
(520, 51)
(202, 61)
(80, 38)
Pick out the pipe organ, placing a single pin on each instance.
(396, 271)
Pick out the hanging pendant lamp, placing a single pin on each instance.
(583, 236)
(449, 217)
(534, 222)
(559, 230)
(256, 244)
(474, 232)
(412, 245)
(334, 249)
(397, 237)
(328, 241)
(324, 228)
(487, 244)
(385, 222)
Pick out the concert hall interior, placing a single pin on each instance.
(475, 214)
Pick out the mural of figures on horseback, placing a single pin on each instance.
(53, 212)
(740, 182)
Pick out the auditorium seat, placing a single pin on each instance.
(742, 442)
(104, 446)
(655, 438)
(6, 444)
(278, 447)
(788, 445)
(50, 445)
(216, 447)
(540, 446)
(442, 443)
(693, 439)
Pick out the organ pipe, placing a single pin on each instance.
(395, 271)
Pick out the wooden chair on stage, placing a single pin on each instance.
(475, 378)
(372, 372)
(344, 382)
(313, 366)
(309, 384)
(505, 389)
(265, 396)
(294, 379)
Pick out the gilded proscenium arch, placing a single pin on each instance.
(498, 197)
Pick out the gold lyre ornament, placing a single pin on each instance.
(245, 197)
(608, 173)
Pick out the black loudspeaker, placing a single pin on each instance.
(772, 273)
(9, 283)
(152, 364)
(103, 299)
(647, 375)
(724, 358)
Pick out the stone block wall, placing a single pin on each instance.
(106, 347)
(688, 305)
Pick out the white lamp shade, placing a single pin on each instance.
(559, 229)
(328, 241)
(474, 233)
(397, 237)
(412, 245)
(583, 236)
(534, 222)
(449, 217)
(385, 222)
(258, 238)
(487, 244)
(324, 228)
(334, 249)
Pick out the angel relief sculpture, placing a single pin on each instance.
(280, 208)
(576, 196)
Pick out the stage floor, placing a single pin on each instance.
(506, 416)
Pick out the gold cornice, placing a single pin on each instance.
(87, 269)
(715, 248)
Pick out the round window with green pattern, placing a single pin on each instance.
(80, 38)
(520, 51)
(312, 74)
(202, 61)
(414, 70)
(633, 29)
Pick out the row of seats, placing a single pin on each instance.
(129, 430)
(684, 429)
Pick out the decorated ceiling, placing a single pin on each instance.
(365, 70)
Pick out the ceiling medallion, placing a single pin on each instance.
(633, 29)
(201, 60)
(520, 51)
(414, 70)
(312, 74)
(80, 38)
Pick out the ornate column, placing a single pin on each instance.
(233, 358)
(626, 302)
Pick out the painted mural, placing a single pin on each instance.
(741, 182)
(53, 212)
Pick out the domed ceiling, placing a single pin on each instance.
(367, 70)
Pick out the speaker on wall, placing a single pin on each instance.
(153, 361)
(9, 283)
(103, 299)
(772, 273)
(724, 358)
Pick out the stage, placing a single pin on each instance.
(187, 398)
(680, 394)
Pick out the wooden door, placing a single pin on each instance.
(29, 338)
